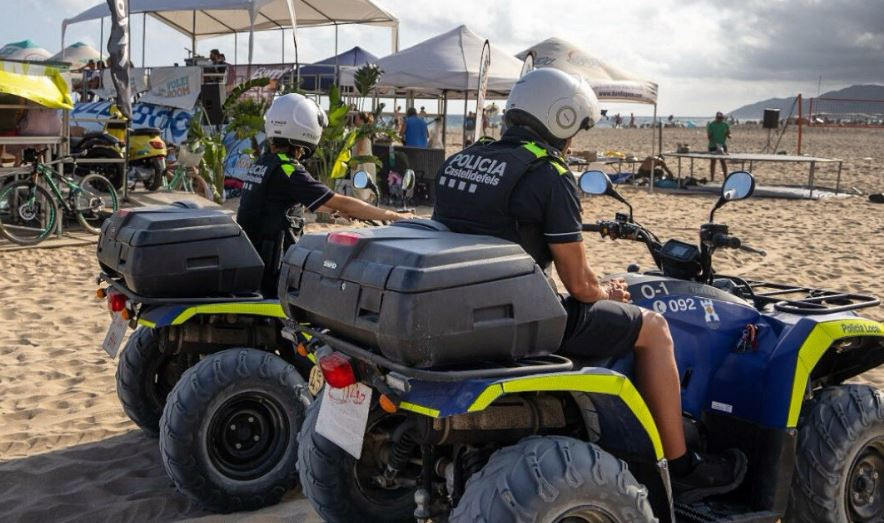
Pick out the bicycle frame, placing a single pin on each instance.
(49, 175)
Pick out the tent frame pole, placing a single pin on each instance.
(337, 70)
(193, 35)
(101, 42)
(282, 47)
(143, 36)
(653, 149)
(444, 118)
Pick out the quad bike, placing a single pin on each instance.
(146, 154)
(214, 381)
(550, 438)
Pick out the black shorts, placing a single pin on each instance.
(603, 329)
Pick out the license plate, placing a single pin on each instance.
(343, 416)
(115, 334)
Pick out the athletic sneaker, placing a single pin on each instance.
(711, 474)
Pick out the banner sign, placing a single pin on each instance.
(275, 72)
(238, 162)
(174, 87)
(172, 122)
(118, 53)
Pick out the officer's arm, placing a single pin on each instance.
(360, 210)
(581, 283)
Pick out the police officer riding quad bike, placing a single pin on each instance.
(459, 385)
(418, 421)
(206, 369)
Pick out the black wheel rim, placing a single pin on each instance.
(376, 450)
(248, 436)
(864, 490)
(162, 377)
(586, 514)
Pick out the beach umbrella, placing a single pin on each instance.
(78, 55)
(24, 50)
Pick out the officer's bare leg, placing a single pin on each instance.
(658, 381)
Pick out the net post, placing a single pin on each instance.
(800, 123)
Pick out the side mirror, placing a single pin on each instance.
(598, 183)
(408, 180)
(361, 180)
(595, 183)
(738, 185)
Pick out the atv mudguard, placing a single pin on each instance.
(610, 403)
(814, 339)
(169, 315)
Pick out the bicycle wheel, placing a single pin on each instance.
(27, 212)
(94, 199)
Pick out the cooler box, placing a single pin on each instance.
(422, 297)
(179, 252)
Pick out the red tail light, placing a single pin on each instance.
(348, 239)
(157, 144)
(116, 301)
(337, 371)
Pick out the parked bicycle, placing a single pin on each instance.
(185, 172)
(29, 207)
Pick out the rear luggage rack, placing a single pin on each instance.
(540, 364)
(814, 301)
(118, 286)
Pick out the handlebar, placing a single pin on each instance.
(726, 241)
(753, 250)
(591, 227)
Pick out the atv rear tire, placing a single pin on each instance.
(550, 479)
(839, 463)
(330, 480)
(230, 427)
(145, 376)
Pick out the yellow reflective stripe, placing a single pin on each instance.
(426, 411)
(311, 357)
(817, 343)
(535, 149)
(288, 169)
(540, 152)
(146, 323)
(284, 157)
(273, 310)
(611, 384)
(561, 169)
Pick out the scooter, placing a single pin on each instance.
(763, 368)
(146, 154)
(399, 192)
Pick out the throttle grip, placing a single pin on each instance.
(591, 227)
(724, 240)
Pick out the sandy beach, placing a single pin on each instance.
(67, 451)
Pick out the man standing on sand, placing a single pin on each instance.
(718, 131)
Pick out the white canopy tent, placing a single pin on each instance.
(446, 63)
(200, 19)
(610, 83)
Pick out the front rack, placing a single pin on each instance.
(810, 300)
(542, 364)
(120, 287)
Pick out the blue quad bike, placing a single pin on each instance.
(763, 369)
(213, 379)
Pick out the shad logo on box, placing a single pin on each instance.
(329, 264)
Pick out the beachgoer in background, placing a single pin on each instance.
(436, 134)
(618, 120)
(415, 132)
(660, 168)
(393, 167)
(486, 122)
(718, 131)
(423, 113)
(397, 120)
(631, 120)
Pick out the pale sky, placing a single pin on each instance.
(705, 55)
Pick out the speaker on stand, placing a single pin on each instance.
(770, 121)
(213, 96)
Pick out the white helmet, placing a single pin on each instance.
(555, 104)
(295, 118)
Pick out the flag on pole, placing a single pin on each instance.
(484, 69)
(118, 53)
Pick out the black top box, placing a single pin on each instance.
(179, 252)
(422, 297)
